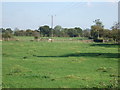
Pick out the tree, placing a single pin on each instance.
(36, 34)
(16, 29)
(116, 32)
(116, 26)
(9, 30)
(107, 33)
(2, 30)
(45, 31)
(79, 31)
(16, 32)
(20, 33)
(97, 29)
(57, 31)
(7, 34)
(64, 32)
(86, 33)
(29, 32)
(72, 32)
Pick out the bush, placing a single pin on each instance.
(111, 40)
(90, 38)
(7, 35)
(98, 40)
(36, 37)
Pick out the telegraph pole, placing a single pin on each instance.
(52, 22)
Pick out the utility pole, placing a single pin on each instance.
(52, 21)
(52, 24)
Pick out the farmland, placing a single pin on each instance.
(62, 64)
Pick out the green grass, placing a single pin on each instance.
(59, 64)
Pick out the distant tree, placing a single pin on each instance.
(116, 25)
(17, 33)
(36, 34)
(7, 34)
(64, 32)
(16, 29)
(72, 32)
(2, 30)
(86, 33)
(97, 29)
(45, 31)
(79, 31)
(57, 31)
(20, 33)
(9, 30)
(29, 32)
(107, 33)
(115, 33)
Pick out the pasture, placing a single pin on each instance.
(68, 64)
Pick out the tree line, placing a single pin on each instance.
(44, 31)
(97, 32)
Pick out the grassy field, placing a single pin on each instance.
(59, 64)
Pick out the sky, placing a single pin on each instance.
(31, 15)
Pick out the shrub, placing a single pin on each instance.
(36, 37)
(98, 40)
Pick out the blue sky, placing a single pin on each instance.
(31, 15)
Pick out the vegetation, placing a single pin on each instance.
(97, 32)
(6, 34)
(59, 64)
(69, 60)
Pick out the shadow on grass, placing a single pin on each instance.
(104, 55)
(106, 45)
